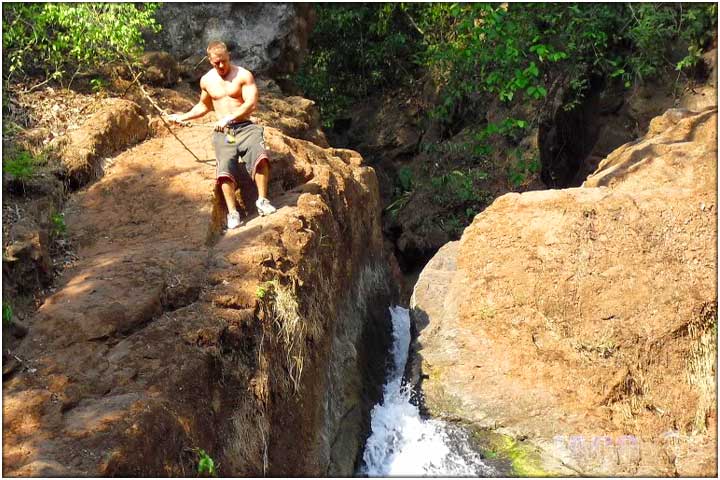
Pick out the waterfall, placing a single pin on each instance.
(401, 442)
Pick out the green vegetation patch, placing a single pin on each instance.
(59, 228)
(381, 43)
(55, 38)
(206, 466)
(7, 315)
(19, 164)
(524, 458)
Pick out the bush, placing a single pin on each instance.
(55, 38)
(460, 188)
(477, 51)
(19, 164)
(506, 50)
(356, 50)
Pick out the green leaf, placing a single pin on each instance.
(7, 315)
(532, 70)
(521, 82)
(206, 465)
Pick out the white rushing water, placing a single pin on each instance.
(401, 443)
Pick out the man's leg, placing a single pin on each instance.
(262, 178)
(228, 190)
(225, 170)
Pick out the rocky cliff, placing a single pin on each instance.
(583, 322)
(264, 347)
(269, 38)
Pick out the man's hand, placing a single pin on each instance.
(175, 118)
(223, 122)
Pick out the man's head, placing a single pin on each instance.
(219, 57)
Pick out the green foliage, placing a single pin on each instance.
(54, 38)
(697, 24)
(459, 191)
(477, 145)
(7, 315)
(521, 169)
(356, 50)
(98, 85)
(403, 190)
(458, 187)
(206, 465)
(405, 177)
(477, 51)
(690, 60)
(20, 164)
(398, 203)
(59, 228)
(9, 128)
(265, 290)
(506, 50)
(481, 54)
(261, 292)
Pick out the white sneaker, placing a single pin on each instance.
(233, 220)
(264, 207)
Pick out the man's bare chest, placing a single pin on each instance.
(222, 89)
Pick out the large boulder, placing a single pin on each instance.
(269, 38)
(583, 321)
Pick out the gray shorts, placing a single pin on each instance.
(248, 147)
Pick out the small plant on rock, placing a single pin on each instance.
(7, 315)
(98, 85)
(20, 165)
(206, 465)
(59, 228)
(264, 290)
(521, 171)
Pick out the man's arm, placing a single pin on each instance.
(200, 109)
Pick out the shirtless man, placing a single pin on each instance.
(231, 91)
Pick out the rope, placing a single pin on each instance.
(163, 114)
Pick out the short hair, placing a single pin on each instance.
(217, 46)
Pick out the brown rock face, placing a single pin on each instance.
(113, 128)
(160, 68)
(295, 116)
(257, 348)
(26, 259)
(585, 319)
